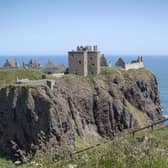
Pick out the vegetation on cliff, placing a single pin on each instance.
(9, 76)
(148, 150)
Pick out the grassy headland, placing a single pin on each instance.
(147, 150)
(9, 76)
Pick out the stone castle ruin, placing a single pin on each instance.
(135, 64)
(11, 63)
(14, 64)
(84, 61)
(32, 64)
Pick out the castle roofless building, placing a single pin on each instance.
(135, 64)
(84, 61)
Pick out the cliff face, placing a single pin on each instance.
(101, 105)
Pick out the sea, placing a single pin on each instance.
(156, 64)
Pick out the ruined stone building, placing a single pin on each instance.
(11, 63)
(135, 64)
(32, 64)
(51, 68)
(84, 61)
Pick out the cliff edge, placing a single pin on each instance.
(101, 105)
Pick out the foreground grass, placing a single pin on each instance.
(147, 150)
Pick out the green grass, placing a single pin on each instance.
(140, 116)
(161, 133)
(8, 77)
(87, 141)
(110, 70)
(5, 163)
(140, 72)
(124, 152)
(152, 152)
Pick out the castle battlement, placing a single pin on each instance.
(87, 48)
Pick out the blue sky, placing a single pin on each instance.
(45, 27)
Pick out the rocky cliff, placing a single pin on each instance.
(102, 105)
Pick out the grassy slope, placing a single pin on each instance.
(140, 116)
(109, 70)
(127, 152)
(8, 77)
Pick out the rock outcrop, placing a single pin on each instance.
(103, 61)
(102, 105)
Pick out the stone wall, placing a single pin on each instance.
(93, 63)
(78, 63)
(134, 65)
(45, 82)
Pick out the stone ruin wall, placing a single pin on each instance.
(137, 65)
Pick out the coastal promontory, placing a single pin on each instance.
(102, 105)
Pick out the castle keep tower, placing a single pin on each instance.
(78, 62)
(84, 61)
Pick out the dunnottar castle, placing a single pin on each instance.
(86, 61)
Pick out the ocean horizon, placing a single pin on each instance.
(156, 64)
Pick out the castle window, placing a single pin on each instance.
(93, 64)
(79, 61)
(71, 55)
